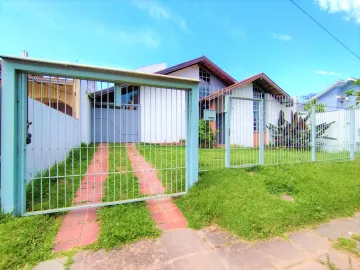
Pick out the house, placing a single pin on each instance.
(146, 122)
(334, 96)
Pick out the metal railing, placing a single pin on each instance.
(96, 137)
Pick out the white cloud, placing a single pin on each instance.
(351, 8)
(161, 13)
(280, 37)
(144, 37)
(322, 72)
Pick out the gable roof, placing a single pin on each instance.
(260, 79)
(338, 83)
(204, 61)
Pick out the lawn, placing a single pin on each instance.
(26, 241)
(121, 183)
(169, 162)
(247, 201)
(56, 188)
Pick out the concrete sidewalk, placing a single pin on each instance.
(212, 248)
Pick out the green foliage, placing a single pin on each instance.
(296, 133)
(346, 244)
(57, 186)
(318, 107)
(124, 224)
(355, 93)
(206, 135)
(26, 241)
(248, 204)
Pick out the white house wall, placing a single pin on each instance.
(340, 130)
(54, 134)
(162, 115)
(241, 117)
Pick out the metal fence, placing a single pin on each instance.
(248, 126)
(89, 142)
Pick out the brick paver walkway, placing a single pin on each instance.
(166, 214)
(212, 248)
(79, 227)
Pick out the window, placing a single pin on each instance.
(257, 93)
(204, 89)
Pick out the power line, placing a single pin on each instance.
(327, 31)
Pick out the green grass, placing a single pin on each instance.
(169, 162)
(356, 237)
(26, 241)
(347, 245)
(124, 224)
(247, 201)
(56, 188)
(121, 183)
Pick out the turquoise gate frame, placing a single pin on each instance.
(14, 115)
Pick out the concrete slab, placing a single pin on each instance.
(341, 260)
(309, 265)
(199, 261)
(339, 228)
(216, 237)
(311, 242)
(160, 266)
(182, 242)
(280, 253)
(56, 264)
(138, 255)
(243, 258)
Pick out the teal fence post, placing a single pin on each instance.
(22, 90)
(261, 132)
(227, 131)
(313, 132)
(9, 139)
(352, 134)
(194, 134)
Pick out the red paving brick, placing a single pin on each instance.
(165, 213)
(79, 227)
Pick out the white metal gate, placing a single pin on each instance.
(244, 131)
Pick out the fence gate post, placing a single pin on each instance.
(261, 132)
(227, 131)
(192, 136)
(9, 139)
(352, 134)
(313, 132)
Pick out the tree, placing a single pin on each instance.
(318, 107)
(355, 93)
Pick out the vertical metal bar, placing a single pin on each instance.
(352, 134)
(32, 144)
(22, 140)
(49, 160)
(313, 132)
(261, 131)
(65, 169)
(187, 140)
(41, 145)
(227, 131)
(57, 146)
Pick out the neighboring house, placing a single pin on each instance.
(334, 96)
(143, 121)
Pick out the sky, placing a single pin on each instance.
(242, 37)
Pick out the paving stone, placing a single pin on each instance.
(57, 264)
(310, 265)
(237, 257)
(311, 242)
(340, 260)
(339, 228)
(199, 261)
(216, 237)
(141, 254)
(160, 266)
(182, 242)
(280, 253)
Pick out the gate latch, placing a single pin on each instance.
(28, 135)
